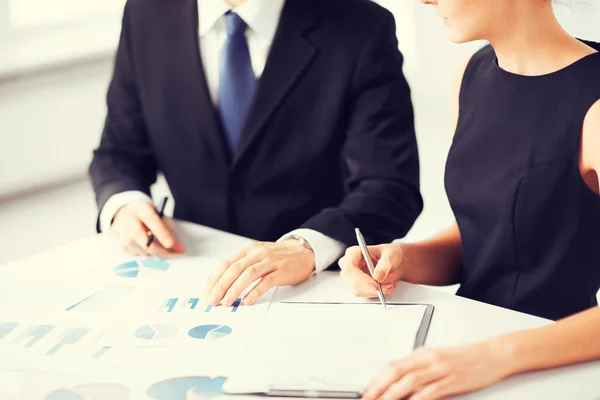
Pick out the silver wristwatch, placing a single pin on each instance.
(302, 241)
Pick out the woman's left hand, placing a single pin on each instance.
(429, 374)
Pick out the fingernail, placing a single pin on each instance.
(247, 301)
(161, 254)
(212, 299)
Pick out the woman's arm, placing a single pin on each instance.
(571, 340)
(590, 148)
(431, 374)
(434, 261)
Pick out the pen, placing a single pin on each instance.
(161, 212)
(368, 260)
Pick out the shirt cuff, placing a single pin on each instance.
(327, 250)
(116, 202)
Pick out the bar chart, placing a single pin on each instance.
(33, 335)
(59, 347)
(6, 328)
(70, 337)
(195, 304)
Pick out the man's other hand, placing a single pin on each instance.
(283, 263)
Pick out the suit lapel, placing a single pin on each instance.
(188, 69)
(290, 55)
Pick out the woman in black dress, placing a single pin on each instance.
(523, 181)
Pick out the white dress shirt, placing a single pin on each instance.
(262, 18)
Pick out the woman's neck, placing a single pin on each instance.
(534, 43)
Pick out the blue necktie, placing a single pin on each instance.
(236, 80)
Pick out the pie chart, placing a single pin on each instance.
(156, 332)
(99, 391)
(131, 269)
(210, 332)
(187, 388)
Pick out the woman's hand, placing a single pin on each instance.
(429, 374)
(388, 261)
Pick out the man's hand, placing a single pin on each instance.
(283, 263)
(131, 225)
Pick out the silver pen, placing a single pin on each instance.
(369, 261)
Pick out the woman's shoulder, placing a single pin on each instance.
(475, 65)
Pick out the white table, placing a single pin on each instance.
(455, 321)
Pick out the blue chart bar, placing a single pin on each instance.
(34, 334)
(236, 304)
(6, 328)
(193, 303)
(73, 336)
(101, 352)
(170, 304)
(208, 308)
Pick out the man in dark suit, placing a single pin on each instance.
(286, 121)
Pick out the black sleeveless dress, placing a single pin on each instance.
(530, 226)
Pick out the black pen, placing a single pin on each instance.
(161, 212)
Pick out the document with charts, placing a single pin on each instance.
(303, 346)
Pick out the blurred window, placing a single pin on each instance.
(38, 34)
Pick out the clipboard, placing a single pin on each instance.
(421, 336)
(324, 390)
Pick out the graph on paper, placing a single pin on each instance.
(156, 332)
(210, 332)
(188, 305)
(136, 268)
(56, 347)
(51, 340)
(6, 328)
(102, 299)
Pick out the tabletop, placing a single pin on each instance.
(25, 284)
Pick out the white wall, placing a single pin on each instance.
(581, 18)
(49, 125)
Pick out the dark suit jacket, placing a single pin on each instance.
(329, 143)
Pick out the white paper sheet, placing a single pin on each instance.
(308, 346)
(59, 343)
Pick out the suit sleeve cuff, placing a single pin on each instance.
(327, 250)
(116, 202)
